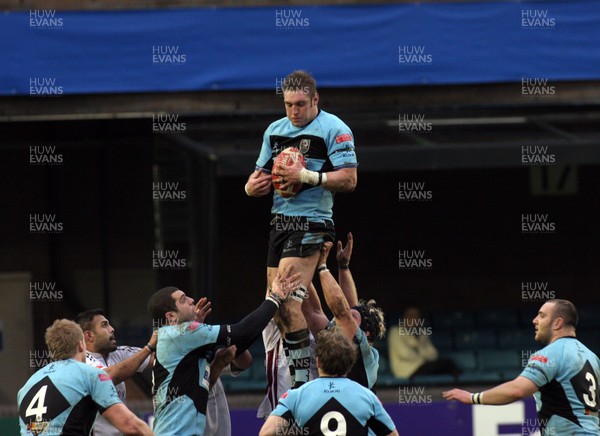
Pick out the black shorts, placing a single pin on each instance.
(295, 236)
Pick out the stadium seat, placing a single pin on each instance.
(471, 339)
(384, 374)
(465, 360)
(432, 380)
(453, 319)
(527, 314)
(590, 338)
(518, 339)
(443, 340)
(589, 317)
(505, 362)
(496, 318)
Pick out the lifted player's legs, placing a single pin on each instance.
(295, 334)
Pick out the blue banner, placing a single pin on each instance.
(53, 52)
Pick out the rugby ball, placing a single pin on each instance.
(287, 157)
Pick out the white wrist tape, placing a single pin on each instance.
(246, 189)
(309, 177)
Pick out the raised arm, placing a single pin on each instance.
(343, 256)
(127, 368)
(313, 312)
(244, 333)
(334, 297)
(125, 421)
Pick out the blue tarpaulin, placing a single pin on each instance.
(49, 51)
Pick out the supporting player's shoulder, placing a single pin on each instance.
(92, 360)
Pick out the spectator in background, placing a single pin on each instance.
(411, 351)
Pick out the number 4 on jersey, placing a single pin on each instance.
(36, 405)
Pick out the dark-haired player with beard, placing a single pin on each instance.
(182, 370)
(120, 362)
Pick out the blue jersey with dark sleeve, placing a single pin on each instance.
(181, 378)
(566, 373)
(63, 398)
(336, 404)
(364, 370)
(327, 145)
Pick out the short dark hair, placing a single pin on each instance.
(300, 81)
(160, 303)
(335, 351)
(566, 310)
(85, 318)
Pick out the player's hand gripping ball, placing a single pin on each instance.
(287, 157)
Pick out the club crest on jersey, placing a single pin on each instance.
(304, 146)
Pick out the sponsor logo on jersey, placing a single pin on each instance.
(343, 138)
(193, 325)
(104, 377)
(542, 359)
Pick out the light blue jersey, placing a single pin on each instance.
(181, 378)
(63, 397)
(327, 145)
(364, 370)
(331, 403)
(566, 373)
